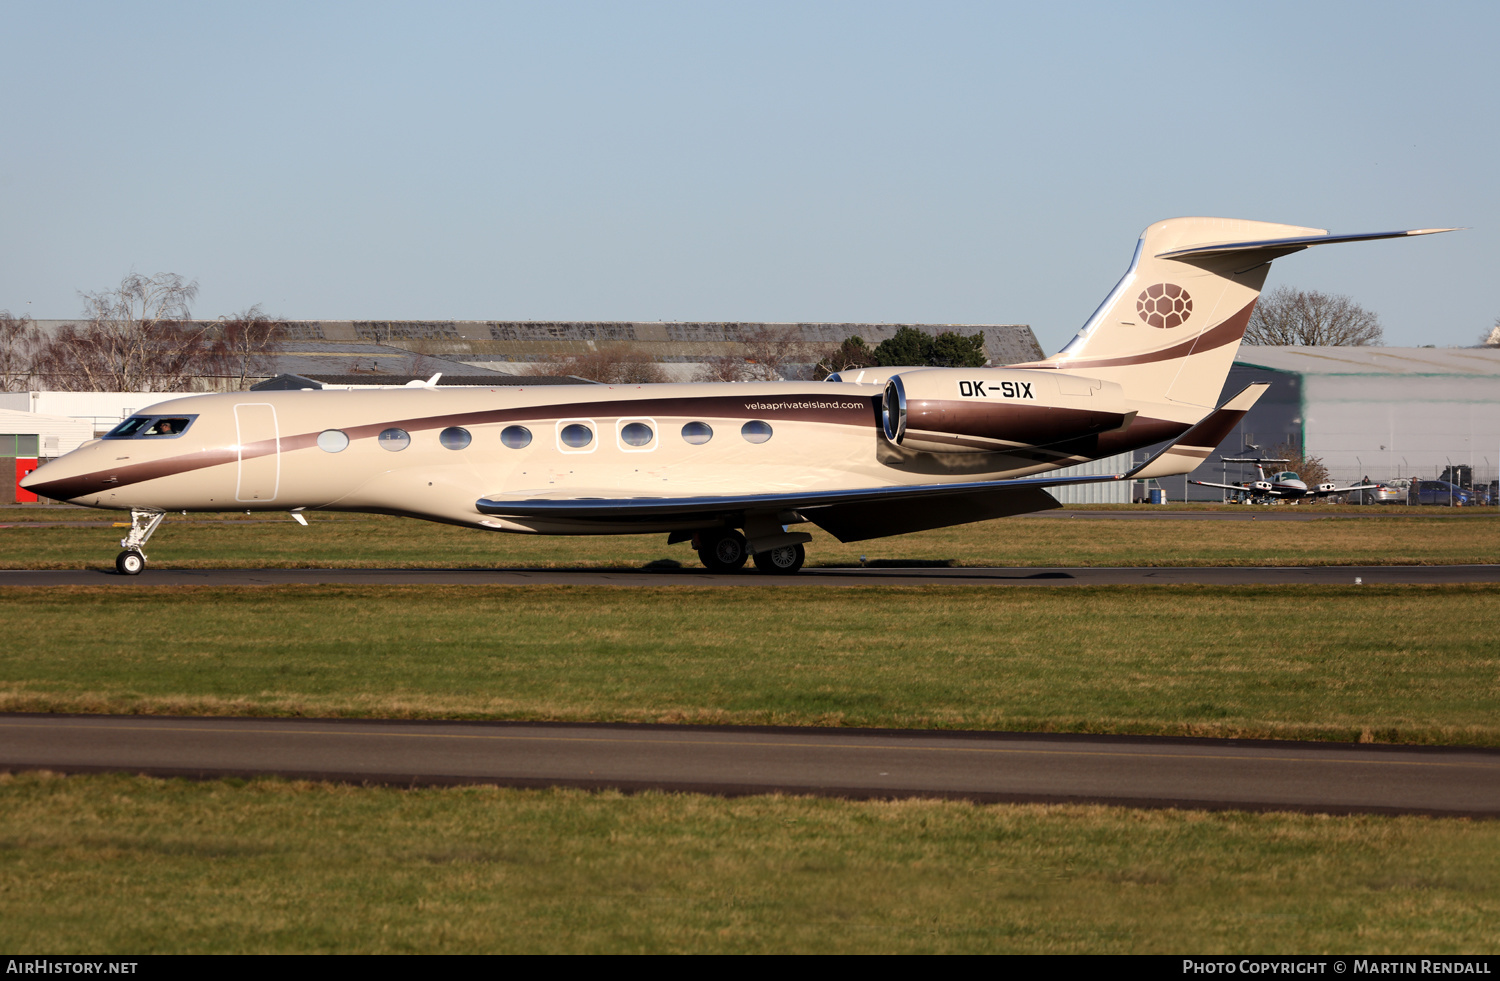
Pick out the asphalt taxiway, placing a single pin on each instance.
(910, 575)
(851, 763)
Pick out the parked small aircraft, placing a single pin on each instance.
(733, 468)
(1283, 485)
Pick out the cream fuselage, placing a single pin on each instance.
(261, 451)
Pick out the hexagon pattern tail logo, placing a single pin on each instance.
(1164, 305)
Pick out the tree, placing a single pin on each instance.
(768, 354)
(949, 349)
(137, 338)
(613, 365)
(1309, 468)
(852, 353)
(954, 350)
(17, 352)
(246, 344)
(907, 346)
(1307, 317)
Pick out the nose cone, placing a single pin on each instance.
(61, 479)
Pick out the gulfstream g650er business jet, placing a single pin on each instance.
(734, 468)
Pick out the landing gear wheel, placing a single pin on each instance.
(130, 563)
(724, 551)
(781, 561)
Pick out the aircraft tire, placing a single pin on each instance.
(130, 563)
(724, 552)
(781, 561)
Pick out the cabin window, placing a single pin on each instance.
(636, 434)
(516, 437)
(576, 435)
(697, 433)
(756, 431)
(455, 438)
(394, 440)
(333, 441)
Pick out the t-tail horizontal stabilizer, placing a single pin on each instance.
(1194, 446)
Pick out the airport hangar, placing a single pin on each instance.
(1383, 412)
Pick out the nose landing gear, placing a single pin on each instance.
(142, 523)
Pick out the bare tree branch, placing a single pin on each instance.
(852, 353)
(246, 344)
(137, 338)
(612, 365)
(1307, 317)
(768, 354)
(18, 343)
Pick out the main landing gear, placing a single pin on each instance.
(781, 561)
(725, 550)
(142, 523)
(722, 550)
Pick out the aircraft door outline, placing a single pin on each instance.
(259, 477)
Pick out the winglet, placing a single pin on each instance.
(1194, 446)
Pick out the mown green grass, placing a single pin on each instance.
(1436, 536)
(1394, 664)
(113, 863)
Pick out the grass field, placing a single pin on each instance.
(1392, 664)
(115, 863)
(145, 866)
(1427, 536)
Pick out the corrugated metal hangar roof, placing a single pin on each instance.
(1374, 360)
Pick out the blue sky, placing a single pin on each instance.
(930, 162)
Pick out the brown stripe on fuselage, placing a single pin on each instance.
(69, 488)
(720, 407)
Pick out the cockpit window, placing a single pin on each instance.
(168, 426)
(128, 428)
(141, 427)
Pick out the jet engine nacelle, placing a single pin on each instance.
(997, 409)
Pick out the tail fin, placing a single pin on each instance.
(1171, 328)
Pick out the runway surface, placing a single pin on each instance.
(988, 767)
(689, 576)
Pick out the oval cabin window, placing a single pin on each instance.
(454, 438)
(333, 441)
(576, 435)
(393, 440)
(756, 431)
(697, 433)
(516, 437)
(636, 434)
